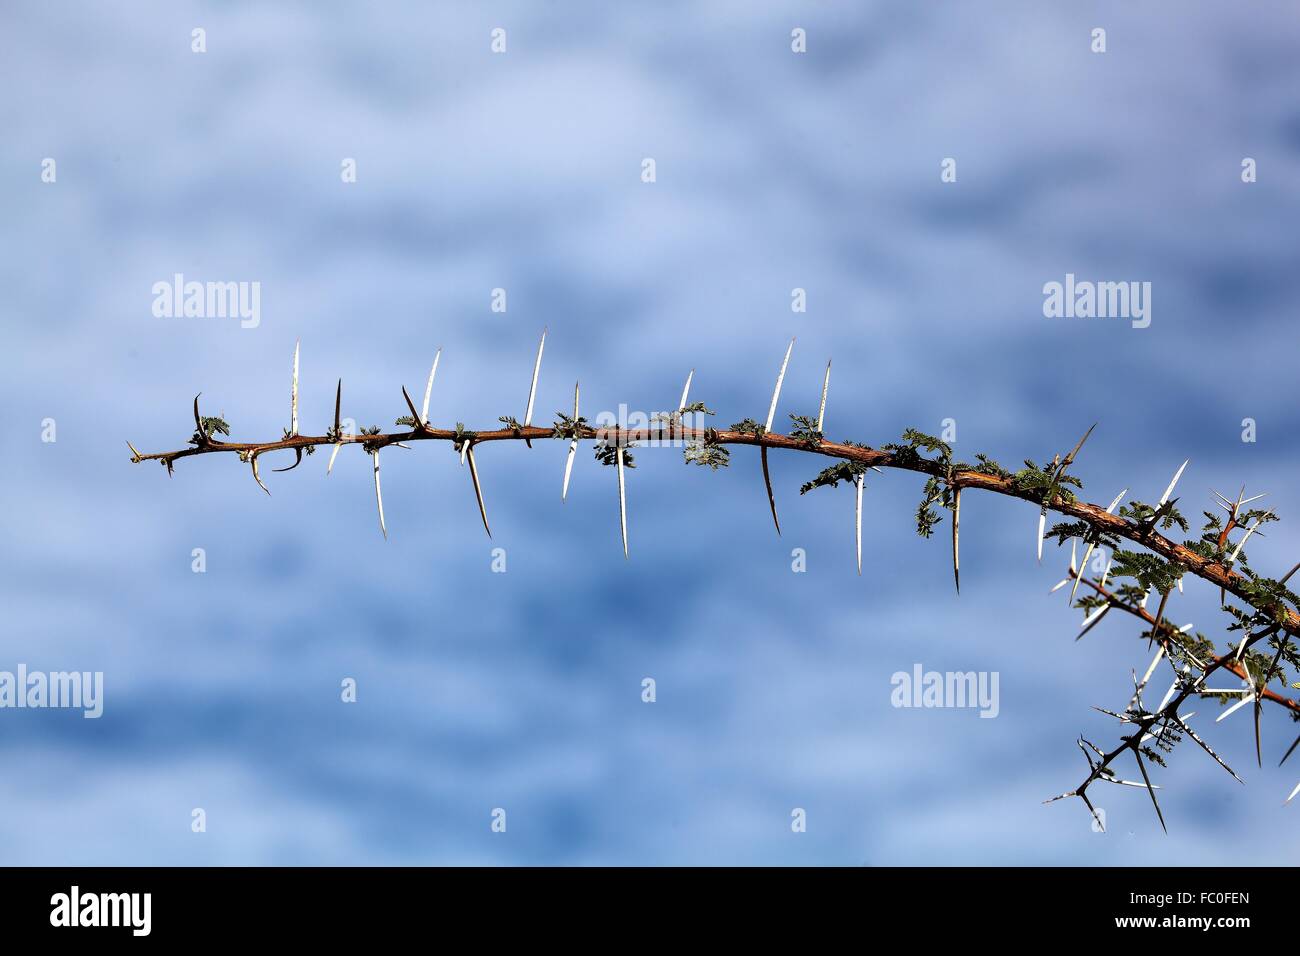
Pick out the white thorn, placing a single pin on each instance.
(1172, 687)
(1170, 490)
(293, 395)
(478, 490)
(1293, 793)
(1082, 567)
(858, 519)
(776, 392)
(826, 386)
(532, 389)
(1106, 573)
(573, 446)
(1059, 584)
(428, 388)
(568, 469)
(1092, 619)
(686, 389)
(622, 500)
(956, 525)
(1110, 509)
(1249, 531)
(379, 497)
(1074, 554)
(1042, 524)
(1152, 669)
(1234, 708)
(334, 454)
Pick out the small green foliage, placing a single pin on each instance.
(1149, 570)
(675, 419)
(1269, 598)
(1044, 484)
(212, 425)
(805, 431)
(462, 435)
(370, 447)
(607, 453)
(987, 466)
(937, 491)
(1065, 530)
(917, 441)
(566, 427)
(845, 470)
(511, 423)
(707, 451)
(749, 427)
(1153, 755)
(407, 420)
(1165, 516)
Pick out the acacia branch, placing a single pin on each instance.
(1273, 606)
(1096, 516)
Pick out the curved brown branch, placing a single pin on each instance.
(1095, 516)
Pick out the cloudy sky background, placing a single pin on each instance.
(522, 171)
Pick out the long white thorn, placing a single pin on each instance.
(1152, 668)
(776, 392)
(622, 500)
(1091, 620)
(1169, 694)
(379, 495)
(532, 389)
(334, 454)
(1249, 531)
(573, 447)
(428, 388)
(956, 524)
(1042, 525)
(1293, 793)
(826, 387)
(478, 489)
(857, 522)
(1235, 707)
(1109, 510)
(1170, 490)
(293, 394)
(686, 389)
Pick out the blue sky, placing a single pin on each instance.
(521, 171)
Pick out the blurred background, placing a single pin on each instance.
(522, 171)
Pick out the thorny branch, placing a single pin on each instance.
(1270, 609)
